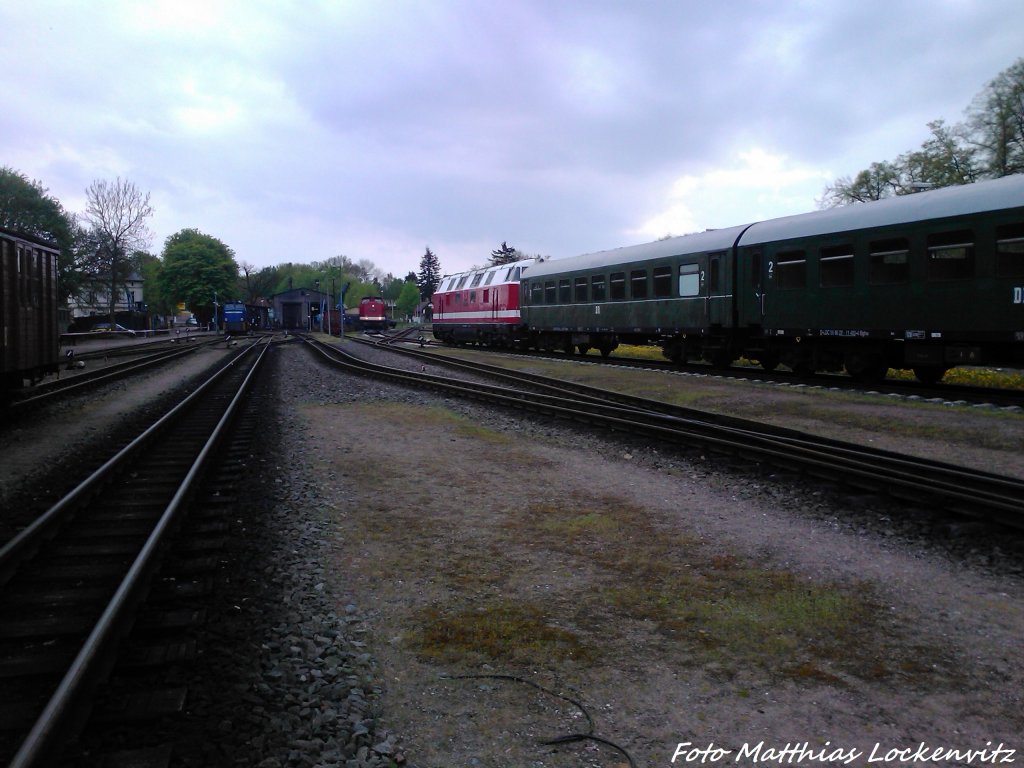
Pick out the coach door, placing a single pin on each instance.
(719, 304)
(692, 286)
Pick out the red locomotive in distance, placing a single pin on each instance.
(373, 314)
(480, 306)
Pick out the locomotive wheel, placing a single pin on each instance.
(930, 374)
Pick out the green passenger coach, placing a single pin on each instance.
(926, 281)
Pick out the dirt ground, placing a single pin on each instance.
(520, 582)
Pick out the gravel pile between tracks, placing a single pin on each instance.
(348, 550)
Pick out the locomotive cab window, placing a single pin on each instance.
(951, 256)
(638, 284)
(580, 289)
(791, 271)
(617, 285)
(835, 268)
(662, 282)
(597, 288)
(689, 280)
(1010, 251)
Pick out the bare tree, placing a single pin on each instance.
(117, 212)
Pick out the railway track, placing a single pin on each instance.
(72, 581)
(51, 391)
(944, 392)
(920, 481)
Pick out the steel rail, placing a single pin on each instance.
(966, 491)
(40, 743)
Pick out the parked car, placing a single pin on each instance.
(116, 328)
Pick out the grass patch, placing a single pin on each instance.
(723, 608)
(511, 632)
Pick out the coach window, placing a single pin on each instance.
(791, 270)
(462, 282)
(580, 289)
(1010, 251)
(564, 291)
(549, 292)
(617, 285)
(835, 269)
(951, 256)
(889, 262)
(715, 272)
(689, 280)
(476, 279)
(537, 293)
(490, 277)
(638, 284)
(662, 282)
(597, 288)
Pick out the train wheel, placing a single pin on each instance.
(804, 369)
(930, 374)
(769, 362)
(583, 348)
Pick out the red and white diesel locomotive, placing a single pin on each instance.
(480, 306)
(373, 314)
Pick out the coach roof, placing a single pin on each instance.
(997, 194)
(702, 242)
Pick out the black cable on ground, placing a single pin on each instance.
(567, 738)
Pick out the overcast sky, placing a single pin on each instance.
(297, 131)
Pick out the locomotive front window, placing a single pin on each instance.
(617, 285)
(564, 291)
(597, 288)
(951, 256)
(662, 282)
(1010, 251)
(689, 280)
(580, 289)
(638, 284)
(791, 271)
(550, 292)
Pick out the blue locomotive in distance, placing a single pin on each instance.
(235, 317)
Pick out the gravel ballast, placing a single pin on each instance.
(348, 543)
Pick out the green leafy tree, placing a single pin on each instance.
(878, 181)
(989, 144)
(28, 208)
(197, 267)
(944, 160)
(429, 276)
(408, 298)
(996, 119)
